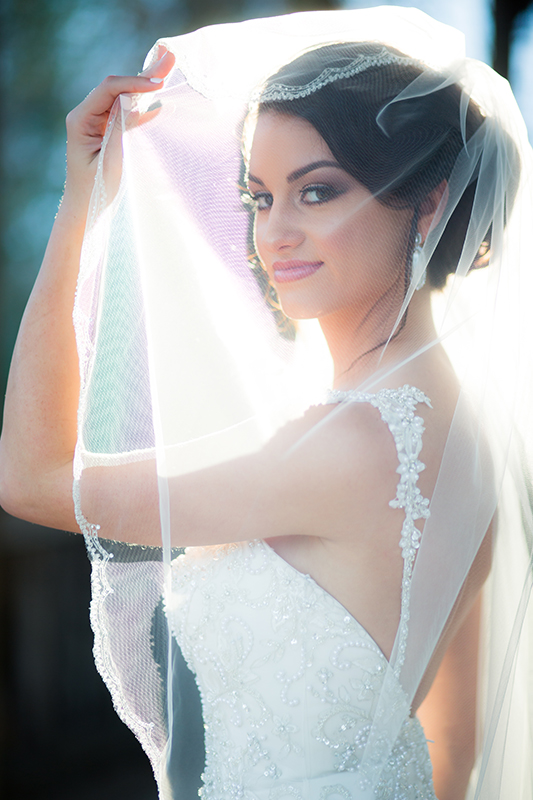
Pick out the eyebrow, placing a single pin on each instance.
(299, 173)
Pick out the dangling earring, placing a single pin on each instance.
(416, 263)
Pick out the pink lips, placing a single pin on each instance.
(285, 271)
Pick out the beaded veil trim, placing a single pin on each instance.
(101, 592)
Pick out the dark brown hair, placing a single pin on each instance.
(400, 150)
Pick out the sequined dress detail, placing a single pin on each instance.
(289, 680)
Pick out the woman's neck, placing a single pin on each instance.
(361, 347)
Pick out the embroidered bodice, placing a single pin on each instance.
(289, 679)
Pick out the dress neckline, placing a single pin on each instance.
(397, 407)
(331, 598)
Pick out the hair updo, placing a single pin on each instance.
(399, 150)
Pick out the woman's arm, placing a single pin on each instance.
(330, 485)
(39, 432)
(449, 710)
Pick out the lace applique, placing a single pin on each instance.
(397, 408)
(290, 682)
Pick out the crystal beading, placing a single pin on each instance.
(282, 92)
(290, 682)
(397, 408)
(285, 671)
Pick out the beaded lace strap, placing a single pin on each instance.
(282, 91)
(397, 408)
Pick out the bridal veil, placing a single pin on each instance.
(187, 360)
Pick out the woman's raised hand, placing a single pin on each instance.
(86, 125)
(40, 412)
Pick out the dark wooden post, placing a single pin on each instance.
(505, 14)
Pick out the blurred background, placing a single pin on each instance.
(59, 736)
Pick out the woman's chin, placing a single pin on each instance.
(298, 311)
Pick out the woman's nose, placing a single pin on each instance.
(280, 230)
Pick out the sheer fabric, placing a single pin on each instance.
(188, 364)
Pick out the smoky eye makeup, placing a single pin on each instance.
(261, 200)
(319, 193)
(308, 192)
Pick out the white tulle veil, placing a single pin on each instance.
(186, 360)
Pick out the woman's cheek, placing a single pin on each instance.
(258, 240)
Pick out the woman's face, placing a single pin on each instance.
(324, 240)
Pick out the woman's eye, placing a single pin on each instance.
(262, 200)
(314, 195)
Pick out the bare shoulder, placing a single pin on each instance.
(329, 475)
(339, 471)
(343, 436)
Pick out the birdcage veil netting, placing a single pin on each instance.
(188, 364)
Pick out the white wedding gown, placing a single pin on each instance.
(289, 680)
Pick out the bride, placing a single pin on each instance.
(354, 569)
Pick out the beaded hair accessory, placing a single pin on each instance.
(281, 91)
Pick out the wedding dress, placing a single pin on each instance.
(188, 365)
(289, 679)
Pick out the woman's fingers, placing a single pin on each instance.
(101, 99)
(93, 112)
(159, 69)
(86, 124)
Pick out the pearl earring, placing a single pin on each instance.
(417, 265)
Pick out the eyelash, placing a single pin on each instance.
(330, 192)
(256, 199)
